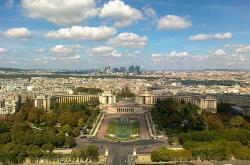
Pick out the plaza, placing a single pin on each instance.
(123, 127)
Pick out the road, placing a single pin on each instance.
(120, 151)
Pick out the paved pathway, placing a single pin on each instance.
(143, 127)
(104, 126)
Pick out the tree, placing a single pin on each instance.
(155, 156)
(20, 126)
(165, 154)
(48, 147)
(19, 117)
(84, 153)
(242, 153)
(247, 125)
(66, 117)
(237, 121)
(214, 122)
(69, 141)
(13, 153)
(199, 123)
(74, 132)
(27, 107)
(34, 153)
(49, 119)
(59, 139)
(5, 126)
(34, 116)
(5, 138)
(92, 152)
(81, 122)
(248, 144)
(55, 106)
(39, 139)
(66, 128)
(20, 139)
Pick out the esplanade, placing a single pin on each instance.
(143, 101)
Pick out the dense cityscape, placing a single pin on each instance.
(124, 82)
(219, 100)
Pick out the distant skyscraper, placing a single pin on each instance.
(137, 70)
(134, 69)
(106, 69)
(131, 69)
(115, 70)
(123, 69)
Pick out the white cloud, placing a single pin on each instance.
(175, 54)
(228, 58)
(13, 62)
(217, 36)
(74, 57)
(61, 49)
(243, 49)
(219, 52)
(20, 33)
(135, 53)
(233, 59)
(173, 22)
(123, 15)
(242, 58)
(222, 36)
(102, 50)
(79, 32)
(199, 37)
(105, 51)
(216, 58)
(2, 50)
(61, 11)
(199, 57)
(233, 46)
(158, 57)
(129, 40)
(56, 58)
(65, 49)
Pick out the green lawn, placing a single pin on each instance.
(122, 130)
(112, 127)
(135, 127)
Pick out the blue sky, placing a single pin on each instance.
(155, 34)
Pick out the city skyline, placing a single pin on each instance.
(169, 35)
